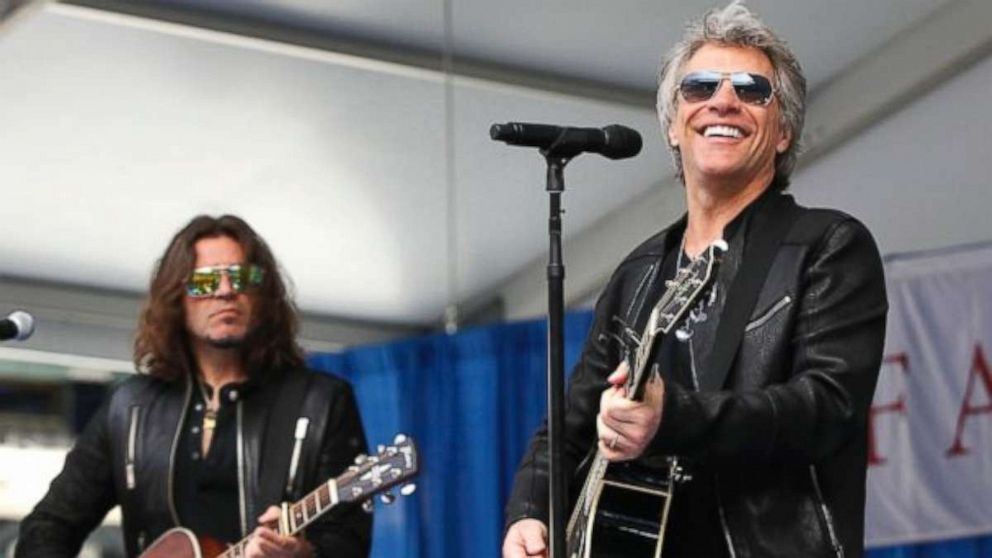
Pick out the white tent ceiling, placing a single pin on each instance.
(116, 129)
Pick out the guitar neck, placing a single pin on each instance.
(371, 475)
(299, 514)
(683, 291)
(639, 369)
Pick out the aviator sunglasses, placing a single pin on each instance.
(205, 281)
(753, 89)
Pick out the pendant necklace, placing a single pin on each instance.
(209, 412)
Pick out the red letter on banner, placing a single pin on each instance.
(897, 406)
(979, 369)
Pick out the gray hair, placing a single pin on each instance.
(736, 25)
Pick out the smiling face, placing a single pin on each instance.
(723, 139)
(221, 320)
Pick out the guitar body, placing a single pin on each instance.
(179, 543)
(182, 543)
(628, 513)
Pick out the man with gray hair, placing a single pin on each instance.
(764, 389)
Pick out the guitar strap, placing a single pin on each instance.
(767, 228)
(279, 437)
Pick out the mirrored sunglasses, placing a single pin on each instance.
(753, 89)
(205, 281)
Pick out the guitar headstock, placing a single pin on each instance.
(376, 474)
(681, 292)
(685, 288)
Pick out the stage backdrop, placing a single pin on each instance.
(931, 455)
(471, 401)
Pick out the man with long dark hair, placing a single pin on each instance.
(196, 439)
(764, 384)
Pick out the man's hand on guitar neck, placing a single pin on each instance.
(626, 427)
(267, 543)
(526, 538)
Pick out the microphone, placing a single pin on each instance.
(614, 141)
(17, 325)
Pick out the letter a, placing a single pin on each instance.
(979, 369)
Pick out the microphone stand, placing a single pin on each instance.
(556, 358)
(614, 142)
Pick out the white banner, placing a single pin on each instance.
(930, 462)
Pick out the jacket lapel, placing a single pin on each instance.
(704, 332)
(755, 246)
(651, 285)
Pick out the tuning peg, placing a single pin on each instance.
(408, 489)
(368, 506)
(360, 458)
(399, 439)
(387, 498)
(680, 475)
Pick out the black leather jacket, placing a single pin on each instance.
(785, 437)
(126, 453)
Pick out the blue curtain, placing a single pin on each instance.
(471, 402)
(975, 547)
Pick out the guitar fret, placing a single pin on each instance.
(323, 497)
(332, 488)
(311, 502)
(296, 518)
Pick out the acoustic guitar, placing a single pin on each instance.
(369, 476)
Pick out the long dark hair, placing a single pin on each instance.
(161, 346)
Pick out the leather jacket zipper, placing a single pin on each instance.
(723, 518)
(175, 448)
(692, 366)
(827, 517)
(302, 424)
(132, 441)
(648, 278)
(242, 505)
(760, 321)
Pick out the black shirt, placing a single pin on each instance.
(206, 491)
